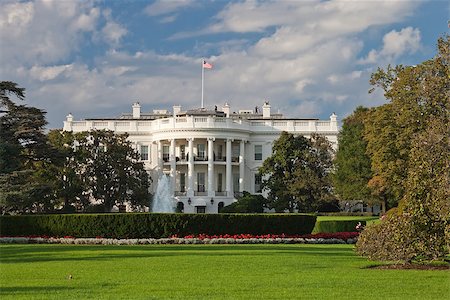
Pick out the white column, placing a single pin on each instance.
(241, 166)
(173, 165)
(190, 190)
(229, 179)
(211, 191)
(160, 159)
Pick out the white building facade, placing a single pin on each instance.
(211, 156)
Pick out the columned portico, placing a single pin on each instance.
(208, 154)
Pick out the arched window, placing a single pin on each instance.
(180, 207)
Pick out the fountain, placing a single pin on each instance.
(163, 201)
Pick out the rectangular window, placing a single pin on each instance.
(201, 209)
(144, 152)
(201, 151)
(201, 182)
(258, 152)
(183, 152)
(182, 182)
(220, 152)
(219, 182)
(236, 182)
(166, 153)
(258, 181)
(235, 153)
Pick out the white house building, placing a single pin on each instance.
(210, 155)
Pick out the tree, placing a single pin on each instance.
(248, 203)
(297, 174)
(23, 145)
(112, 171)
(418, 228)
(352, 164)
(66, 172)
(416, 94)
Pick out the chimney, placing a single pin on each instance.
(333, 122)
(266, 110)
(136, 110)
(68, 122)
(226, 109)
(176, 110)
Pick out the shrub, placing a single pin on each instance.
(331, 226)
(145, 225)
(398, 238)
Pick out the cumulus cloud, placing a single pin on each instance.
(395, 44)
(304, 59)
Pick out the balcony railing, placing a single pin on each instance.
(221, 193)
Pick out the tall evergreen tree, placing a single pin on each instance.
(23, 145)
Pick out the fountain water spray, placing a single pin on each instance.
(163, 201)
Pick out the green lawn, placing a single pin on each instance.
(368, 219)
(206, 272)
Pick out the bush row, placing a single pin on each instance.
(331, 226)
(153, 225)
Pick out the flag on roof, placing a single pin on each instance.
(206, 65)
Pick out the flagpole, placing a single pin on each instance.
(203, 78)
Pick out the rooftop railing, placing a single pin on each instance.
(203, 122)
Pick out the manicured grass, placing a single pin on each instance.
(206, 272)
(368, 219)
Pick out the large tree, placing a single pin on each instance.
(112, 170)
(66, 171)
(415, 165)
(23, 146)
(297, 174)
(416, 95)
(352, 164)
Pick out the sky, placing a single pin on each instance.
(307, 58)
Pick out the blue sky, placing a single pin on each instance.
(308, 58)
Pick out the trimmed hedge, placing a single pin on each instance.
(154, 225)
(333, 226)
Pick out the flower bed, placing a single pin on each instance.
(320, 238)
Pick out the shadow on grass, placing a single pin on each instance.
(23, 290)
(43, 253)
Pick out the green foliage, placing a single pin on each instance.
(248, 203)
(297, 174)
(112, 170)
(144, 225)
(23, 148)
(352, 164)
(417, 230)
(331, 226)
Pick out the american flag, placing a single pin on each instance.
(206, 65)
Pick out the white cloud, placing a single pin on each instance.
(395, 44)
(163, 7)
(113, 32)
(46, 73)
(304, 61)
